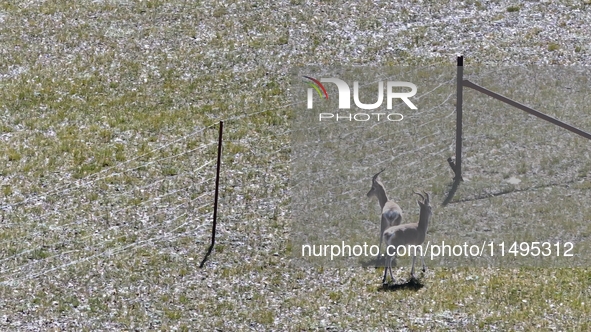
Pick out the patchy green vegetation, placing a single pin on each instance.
(108, 129)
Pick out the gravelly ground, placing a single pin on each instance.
(78, 79)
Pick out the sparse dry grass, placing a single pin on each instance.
(108, 113)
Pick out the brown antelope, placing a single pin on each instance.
(391, 212)
(408, 234)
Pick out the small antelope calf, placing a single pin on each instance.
(391, 212)
(408, 234)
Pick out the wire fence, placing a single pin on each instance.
(159, 196)
(504, 152)
(166, 194)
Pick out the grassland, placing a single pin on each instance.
(108, 127)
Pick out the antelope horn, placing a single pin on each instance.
(423, 197)
(376, 176)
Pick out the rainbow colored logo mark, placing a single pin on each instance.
(317, 86)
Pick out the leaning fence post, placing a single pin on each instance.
(215, 202)
(456, 165)
(459, 99)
